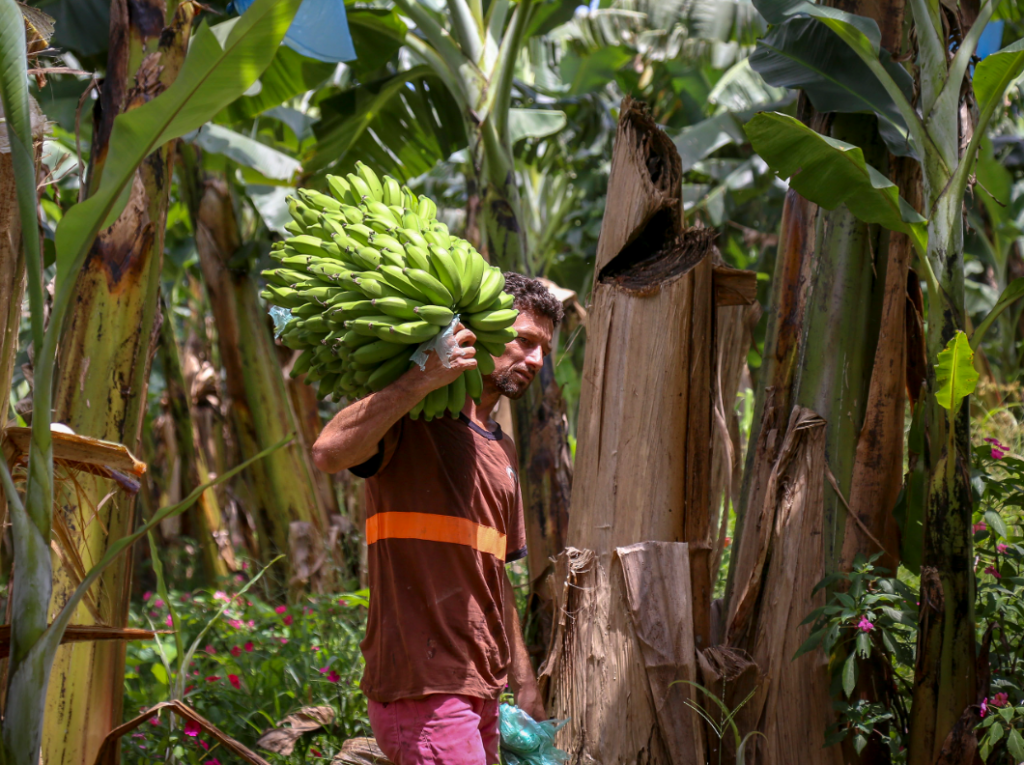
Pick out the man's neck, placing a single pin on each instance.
(481, 413)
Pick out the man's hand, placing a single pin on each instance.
(436, 375)
(528, 699)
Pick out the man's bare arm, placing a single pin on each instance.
(521, 676)
(351, 438)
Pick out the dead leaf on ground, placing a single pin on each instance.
(282, 739)
(360, 751)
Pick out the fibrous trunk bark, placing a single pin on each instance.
(282, 484)
(206, 519)
(105, 353)
(644, 456)
(792, 706)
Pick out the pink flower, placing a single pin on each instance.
(281, 609)
(213, 678)
(315, 649)
(997, 453)
(984, 707)
(334, 677)
(185, 597)
(146, 596)
(245, 565)
(154, 720)
(236, 624)
(235, 682)
(210, 650)
(978, 527)
(309, 611)
(284, 641)
(158, 603)
(213, 761)
(169, 621)
(138, 735)
(864, 625)
(992, 571)
(287, 620)
(203, 744)
(239, 579)
(251, 622)
(236, 651)
(248, 647)
(342, 602)
(1000, 700)
(221, 595)
(1002, 548)
(191, 728)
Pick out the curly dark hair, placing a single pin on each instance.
(531, 295)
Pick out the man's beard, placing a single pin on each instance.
(510, 385)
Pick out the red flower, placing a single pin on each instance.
(281, 609)
(248, 647)
(210, 649)
(1000, 700)
(213, 678)
(315, 752)
(213, 761)
(287, 620)
(236, 651)
(992, 570)
(334, 677)
(235, 682)
(191, 728)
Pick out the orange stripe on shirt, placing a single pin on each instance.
(432, 527)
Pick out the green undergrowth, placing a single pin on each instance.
(257, 664)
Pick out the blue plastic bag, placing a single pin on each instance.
(319, 30)
(524, 741)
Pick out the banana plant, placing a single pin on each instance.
(801, 51)
(474, 57)
(221, 64)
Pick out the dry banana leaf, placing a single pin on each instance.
(108, 749)
(360, 751)
(282, 739)
(75, 633)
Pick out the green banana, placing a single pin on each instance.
(417, 257)
(392, 191)
(354, 340)
(367, 257)
(425, 208)
(484, 362)
(447, 272)
(403, 308)
(397, 278)
(371, 180)
(493, 282)
(496, 336)
(374, 353)
(360, 190)
(340, 188)
(415, 412)
(437, 400)
(474, 383)
(434, 290)
(457, 395)
(492, 320)
(408, 332)
(301, 364)
(434, 314)
(493, 349)
(371, 325)
(388, 371)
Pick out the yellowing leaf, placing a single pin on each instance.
(955, 375)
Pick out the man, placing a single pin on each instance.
(444, 516)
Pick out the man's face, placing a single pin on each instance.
(515, 369)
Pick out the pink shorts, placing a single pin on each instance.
(441, 729)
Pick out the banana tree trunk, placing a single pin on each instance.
(945, 685)
(206, 520)
(773, 399)
(282, 484)
(105, 354)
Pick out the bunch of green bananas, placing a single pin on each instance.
(368, 274)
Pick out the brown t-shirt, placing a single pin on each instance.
(443, 516)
